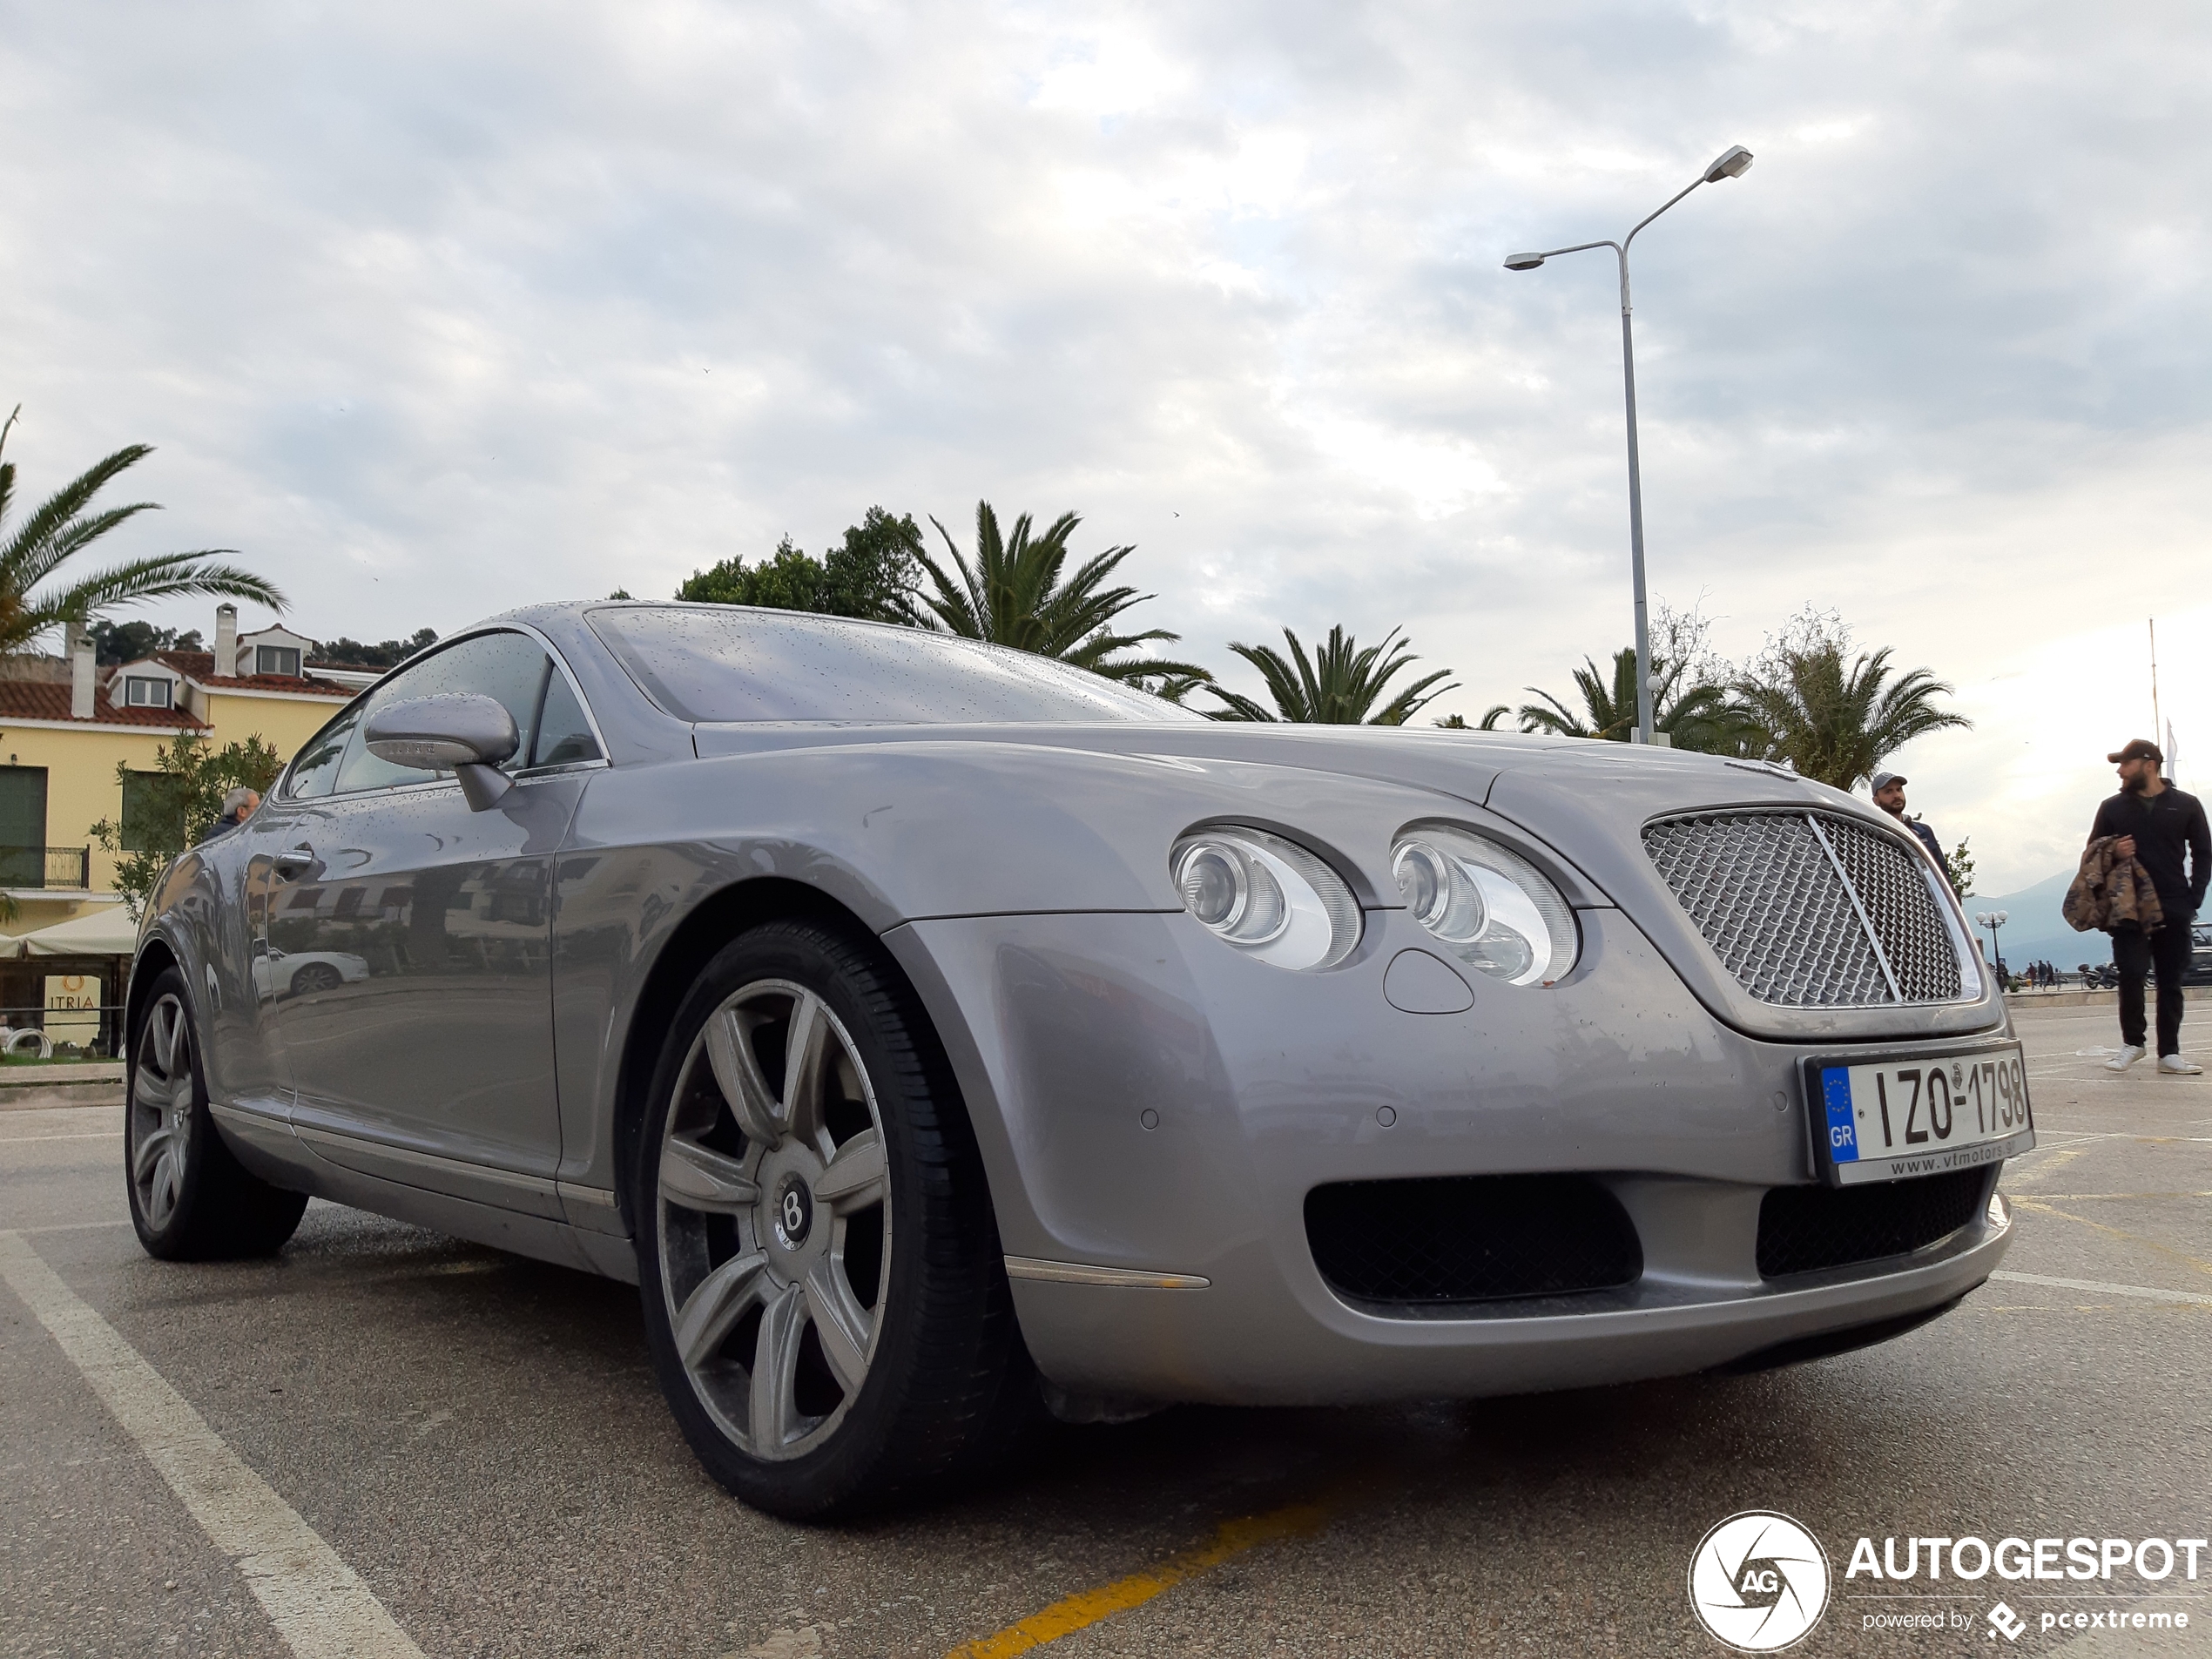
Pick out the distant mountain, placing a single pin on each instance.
(2037, 932)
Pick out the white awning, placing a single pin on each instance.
(108, 931)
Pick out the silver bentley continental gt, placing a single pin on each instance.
(935, 1033)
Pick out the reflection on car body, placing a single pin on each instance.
(280, 973)
(929, 1028)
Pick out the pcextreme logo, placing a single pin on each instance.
(1758, 1581)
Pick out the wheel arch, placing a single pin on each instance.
(711, 924)
(155, 958)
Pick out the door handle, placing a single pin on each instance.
(293, 862)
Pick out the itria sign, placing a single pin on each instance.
(1758, 1581)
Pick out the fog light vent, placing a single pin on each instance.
(1803, 1229)
(1411, 1248)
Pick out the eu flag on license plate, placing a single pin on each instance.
(1843, 1132)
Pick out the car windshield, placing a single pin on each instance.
(735, 663)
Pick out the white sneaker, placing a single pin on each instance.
(2129, 1053)
(2179, 1067)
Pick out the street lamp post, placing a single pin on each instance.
(1994, 919)
(1732, 163)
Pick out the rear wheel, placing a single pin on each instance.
(191, 1199)
(316, 976)
(822, 1284)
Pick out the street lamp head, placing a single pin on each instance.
(1732, 163)
(1523, 262)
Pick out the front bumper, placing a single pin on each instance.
(1147, 1100)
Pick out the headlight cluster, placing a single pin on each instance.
(1269, 897)
(1489, 907)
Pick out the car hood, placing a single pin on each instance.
(1584, 803)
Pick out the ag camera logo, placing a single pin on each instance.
(1758, 1581)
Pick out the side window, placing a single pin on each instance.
(563, 735)
(316, 769)
(509, 667)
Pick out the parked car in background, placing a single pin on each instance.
(934, 1032)
(278, 973)
(2200, 967)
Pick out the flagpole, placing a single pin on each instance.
(2157, 725)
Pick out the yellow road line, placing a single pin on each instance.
(2024, 1201)
(2076, 1197)
(1088, 1607)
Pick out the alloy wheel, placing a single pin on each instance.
(774, 1216)
(161, 1103)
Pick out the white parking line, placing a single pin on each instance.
(319, 1604)
(2100, 1286)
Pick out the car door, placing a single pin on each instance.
(407, 957)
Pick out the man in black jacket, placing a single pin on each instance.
(2164, 830)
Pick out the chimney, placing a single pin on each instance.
(80, 677)
(225, 642)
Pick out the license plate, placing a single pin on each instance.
(1921, 1116)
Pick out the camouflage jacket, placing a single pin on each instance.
(2110, 892)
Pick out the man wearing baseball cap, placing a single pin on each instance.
(1889, 795)
(2163, 830)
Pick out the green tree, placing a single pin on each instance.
(1489, 723)
(1833, 714)
(872, 575)
(117, 643)
(1014, 595)
(1958, 869)
(1339, 684)
(1695, 716)
(390, 653)
(1170, 688)
(63, 525)
(190, 780)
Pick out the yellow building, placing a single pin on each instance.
(66, 724)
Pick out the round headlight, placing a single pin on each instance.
(1490, 908)
(1267, 896)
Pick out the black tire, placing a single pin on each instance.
(943, 1356)
(191, 1199)
(316, 976)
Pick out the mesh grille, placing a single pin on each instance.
(1764, 892)
(1804, 1229)
(1406, 1246)
(1893, 888)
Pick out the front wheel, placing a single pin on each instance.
(191, 1199)
(823, 1289)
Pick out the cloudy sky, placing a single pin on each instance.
(433, 309)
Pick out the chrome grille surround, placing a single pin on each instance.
(1813, 909)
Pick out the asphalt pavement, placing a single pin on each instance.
(475, 1442)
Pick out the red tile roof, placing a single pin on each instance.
(199, 666)
(48, 700)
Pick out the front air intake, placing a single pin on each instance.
(1812, 909)
(1803, 1229)
(1429, 1247)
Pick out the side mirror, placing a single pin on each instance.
(462, 732)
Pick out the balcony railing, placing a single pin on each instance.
(45, 867)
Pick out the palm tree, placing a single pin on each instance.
(1835, 724)
(1012, 595)
(1698, 716)
(1338, 685)
(63, 525)
(1491, 716)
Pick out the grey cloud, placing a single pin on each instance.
(432, 309)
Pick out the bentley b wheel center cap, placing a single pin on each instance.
(794, 1211)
